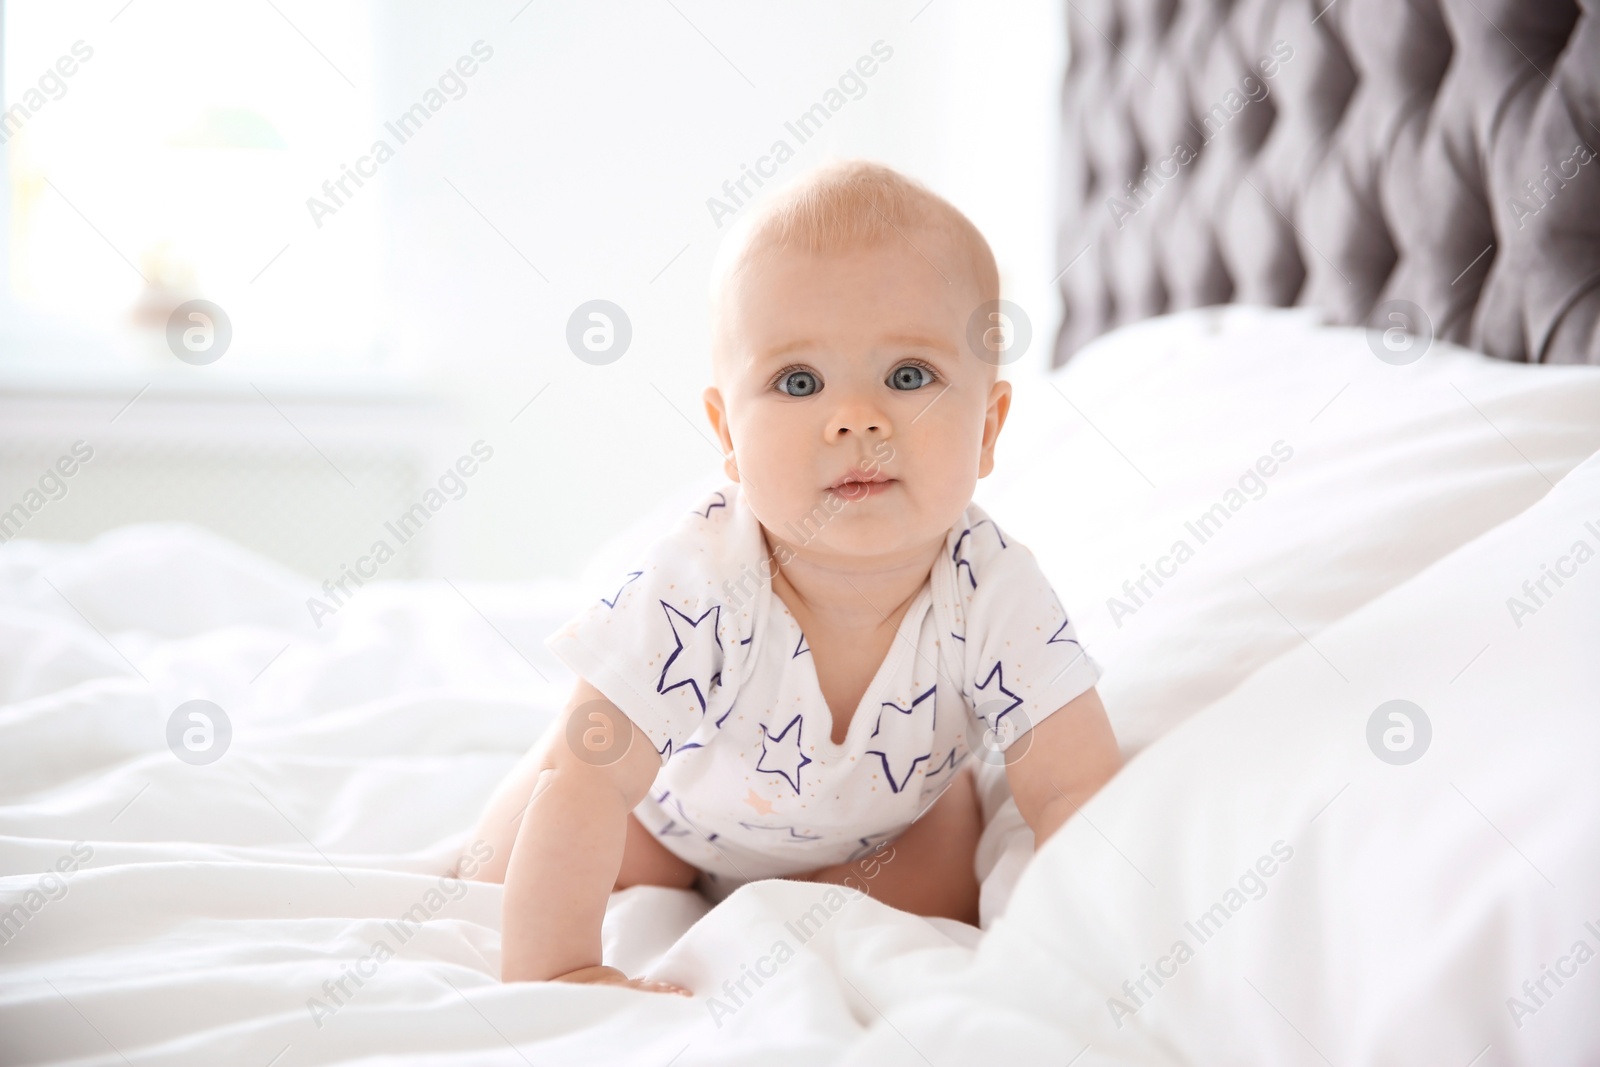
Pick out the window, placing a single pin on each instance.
(158, 152)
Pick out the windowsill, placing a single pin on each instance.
(84, 380)
(45, 355)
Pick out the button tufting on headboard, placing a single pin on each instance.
(1344, 155)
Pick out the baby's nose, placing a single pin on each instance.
(844, 428)
(857, 416)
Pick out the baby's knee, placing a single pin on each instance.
(541, 783)
(478, 863)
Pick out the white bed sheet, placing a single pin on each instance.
(216, 901)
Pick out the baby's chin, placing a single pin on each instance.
(884, 534)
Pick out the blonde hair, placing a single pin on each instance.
(844, 205)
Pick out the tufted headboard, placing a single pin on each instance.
(1439, 157)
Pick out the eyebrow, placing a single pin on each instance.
(893, 340)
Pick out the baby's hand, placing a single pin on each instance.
(603, 975)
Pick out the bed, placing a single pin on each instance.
(1341, 579)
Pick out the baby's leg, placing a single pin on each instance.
(931, 868)
(645, 861)
(502, 817)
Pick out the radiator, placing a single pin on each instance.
(306, 474)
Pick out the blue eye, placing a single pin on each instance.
(910, 376)
(803, 381)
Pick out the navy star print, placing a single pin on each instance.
(869, 843)
(959, 556)
(790, 766)
(794, 835)
(947, 764)
(997, 675)
(1057, 639)
(677, 634)
(612, 603)
(688, 821)
(898, 728)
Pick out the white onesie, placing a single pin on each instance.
(692, 644)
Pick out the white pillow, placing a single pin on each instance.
(1102, 464)
(1398, 909)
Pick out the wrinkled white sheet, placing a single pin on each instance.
(209, 913)
(215, 901)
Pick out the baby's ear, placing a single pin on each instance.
(994, 419)
(717, 413)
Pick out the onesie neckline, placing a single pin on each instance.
(912, 620)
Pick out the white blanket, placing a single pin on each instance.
(283, 904)
(208, 908)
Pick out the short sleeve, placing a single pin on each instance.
(660, 642)
(1023, 658)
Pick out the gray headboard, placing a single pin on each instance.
(1344, 154)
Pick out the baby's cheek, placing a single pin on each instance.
(764, 461)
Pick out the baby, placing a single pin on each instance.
(789, 683)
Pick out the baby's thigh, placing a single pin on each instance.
(502, 816)
(946, 836)
(930, 869)
(646, 861)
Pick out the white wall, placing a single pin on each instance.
(577, 164)
(592, 140)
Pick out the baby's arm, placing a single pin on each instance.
(568, 850)
(1064, 762)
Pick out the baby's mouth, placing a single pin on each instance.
(858, 485)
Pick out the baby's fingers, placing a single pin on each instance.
(654, 986)
(603, 975)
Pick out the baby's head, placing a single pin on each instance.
(840, 312)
